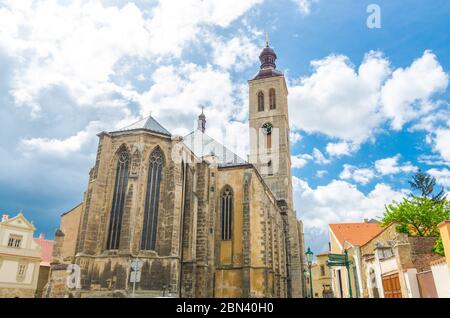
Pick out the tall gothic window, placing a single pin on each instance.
(272, 99)
(226, 207)
(155, 166)
(260, 101)
(120, 187)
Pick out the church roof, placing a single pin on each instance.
(148, 123)
(203, 145)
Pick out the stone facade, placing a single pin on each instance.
(260, 255)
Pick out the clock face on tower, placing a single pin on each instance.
(267, 128)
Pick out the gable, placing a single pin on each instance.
(20, 222)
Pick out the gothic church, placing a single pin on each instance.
(205, 222)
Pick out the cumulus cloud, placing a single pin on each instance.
(339, 201)
(391, 166)
(61, 147)
(406, 95)
(351, 104)
(340, 149)
(319, 157)
(339, 101)
(359, 175)
(442, 144)
(77, 44)
(442, 176)
(299, 161)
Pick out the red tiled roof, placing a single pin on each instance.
(355, 233)
(47, 250)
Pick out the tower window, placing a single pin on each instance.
(155, 165)
(267, 130)
(115, 221)
(260, 101)
(226, 207)
(272, 99)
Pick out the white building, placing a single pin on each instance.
(20, 257)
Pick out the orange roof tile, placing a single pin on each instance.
(355, 233)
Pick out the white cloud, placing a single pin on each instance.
(340, 149)
(304, 5)
(407, 94)
(321, 173)
(351, 104)
(339, 101)
(61, 147)
(340, 201)
(299, 161)
(319, 158)
(390, 165)
(359, 175)
(442, 144)
(77, 44)
(442, 176)
(236, 53)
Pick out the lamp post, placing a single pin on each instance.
(309, 256)
(305, 289)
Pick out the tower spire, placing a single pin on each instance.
(267, 39)
(201, 122)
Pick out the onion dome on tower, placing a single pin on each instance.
(268, 67)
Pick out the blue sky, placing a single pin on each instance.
(368, 107)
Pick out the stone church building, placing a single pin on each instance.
(204, 222)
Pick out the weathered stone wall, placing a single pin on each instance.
(17, 293)
(422, 252)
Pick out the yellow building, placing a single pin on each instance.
(321, 277)
(20, 258)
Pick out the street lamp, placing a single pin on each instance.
(309, 257)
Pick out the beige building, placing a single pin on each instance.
(350, 236)
(321, 277)
(205, 222)
(20, 257)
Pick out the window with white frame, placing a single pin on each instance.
(15, 241)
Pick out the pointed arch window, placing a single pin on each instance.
(260, 101)
(120, 187)
(272, 99)
(226, 206)
(155, 166)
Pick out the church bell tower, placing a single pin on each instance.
(270, 152)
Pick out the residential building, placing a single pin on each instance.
(441, 267)
(350, 236)
(20, 257)
(321, 277)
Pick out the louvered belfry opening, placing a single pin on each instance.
(120, 188)
(149, 230)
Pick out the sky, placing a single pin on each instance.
(368, 106)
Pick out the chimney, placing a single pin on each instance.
(42, 236)
(5, 217)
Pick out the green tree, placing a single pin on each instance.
(417, 216)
